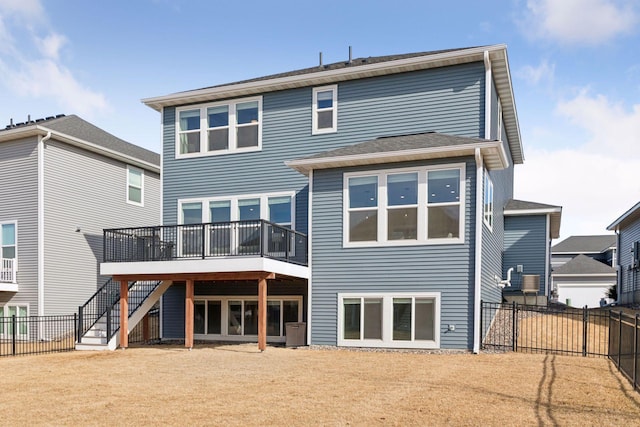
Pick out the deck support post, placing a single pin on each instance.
(124, 314)
(262, 313)
(188, 316)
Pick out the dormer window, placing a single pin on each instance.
(325, 109)
(219, 128)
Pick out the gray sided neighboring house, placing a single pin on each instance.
(627, 228)
(64, 180)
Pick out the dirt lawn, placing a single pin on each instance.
(238, 385)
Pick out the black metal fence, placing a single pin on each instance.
(22, 335)
(624, 346)
(200, 241)
(545, 329)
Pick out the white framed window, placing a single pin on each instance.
(236, 317)
(405, 206)
(325, 109)
(488, 200)
(8, 252)
(135, 186)
(219, 128)
(393, 320)
(6, 324)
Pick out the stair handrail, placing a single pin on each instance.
(83, 326)
(131, 308)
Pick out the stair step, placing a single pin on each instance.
(91, 347)
(94, 340)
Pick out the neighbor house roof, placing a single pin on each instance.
(626, 218)
(76, 131)
(585, 244)
(361, 68)
(402, 148)
(515, 207)
(584, 265)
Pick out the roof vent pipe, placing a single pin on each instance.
(11, 122)
(320, 59)
(350, 56)
(28, 118)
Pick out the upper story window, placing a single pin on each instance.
(135, 186)
(8, 245)
(404, 206)
(488, 200)
(219, 128)
(325, 109)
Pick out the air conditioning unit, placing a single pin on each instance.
(530, 283)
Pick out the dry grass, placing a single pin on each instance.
(238, 385)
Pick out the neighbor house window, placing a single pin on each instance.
(227, 317)
(404, 206)
(135, 186)
(8, 245)
(325, 109)
(219, 128)
(389, 320)
(488, 200)
(22, 325)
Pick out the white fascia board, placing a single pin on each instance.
(217, 265)
(322, 77)
(81, 143)
(615, 225)
(487, 148)
(532, 211)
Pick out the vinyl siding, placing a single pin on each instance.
(493, 239)
(19, 202)
(446, 268)
(629, 279)
(525, 242)
(448, 100)
(83, 189)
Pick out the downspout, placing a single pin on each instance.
(478, 257)
(41, 142)
(309, 258)
(547, 261)
(161, 317)
(477, 296)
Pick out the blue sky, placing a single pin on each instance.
(575, 66)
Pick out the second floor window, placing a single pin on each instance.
(488, 200)
(135, 179)
(219, 128)
(8, 240)
(325, 109)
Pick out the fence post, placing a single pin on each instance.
(635, 353)
(14, 326)
(619, 338)
(79, 329)
(75, 325)
(585, 322)
(481, 323)
(514, 327)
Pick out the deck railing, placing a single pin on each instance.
(8, 270)
(202, 241)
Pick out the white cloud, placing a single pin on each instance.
(47, 79)
(589, 22)
(50, 45)
(39, 73)
(534, 75)
(595, 182)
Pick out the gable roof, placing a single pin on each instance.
(76, 131)
(360, 68)
(626, 218)
(585, 244)
(515, 207)
(401, 148)
(581, 265)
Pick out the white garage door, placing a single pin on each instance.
(579, 295)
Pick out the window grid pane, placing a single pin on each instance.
(351, 318)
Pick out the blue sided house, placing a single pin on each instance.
(627, 228)
(370, 199)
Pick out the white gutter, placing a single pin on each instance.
(547, 258)
(478, 257)
(487, 95)
(309, 262)
(41, 141)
